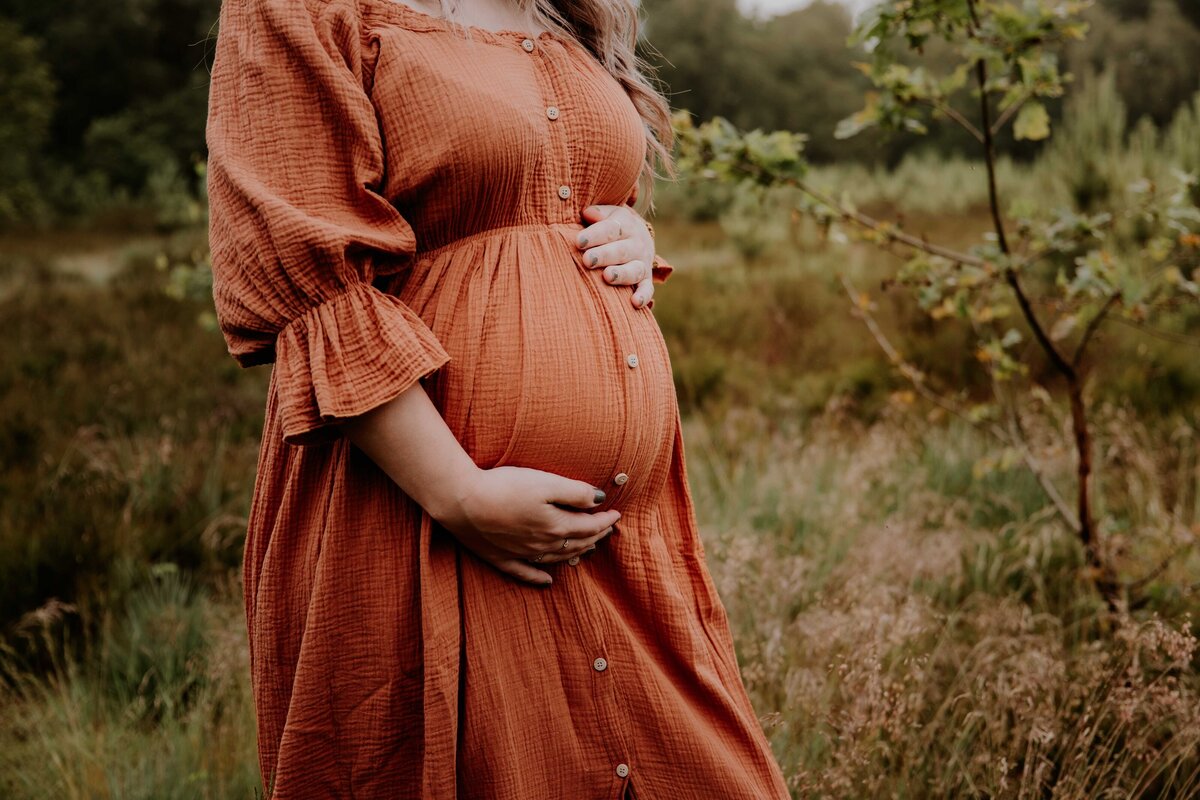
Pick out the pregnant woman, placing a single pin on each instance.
(472, 567)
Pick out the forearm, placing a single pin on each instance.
(408, 439)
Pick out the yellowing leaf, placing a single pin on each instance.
(1032, 123)
(1063, 327)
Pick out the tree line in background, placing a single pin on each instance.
(105, 103)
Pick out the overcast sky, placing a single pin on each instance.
(768, 8)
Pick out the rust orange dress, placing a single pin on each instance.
(393, 202)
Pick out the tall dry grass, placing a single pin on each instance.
(897, 649)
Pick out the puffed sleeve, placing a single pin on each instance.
(297, 228)
(661, 269)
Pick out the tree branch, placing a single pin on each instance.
(1007, 114)
(887, 231)
(1092, 326)
(1166, 336)
(958, 118)
(1018, 439)
(1014, 437)
(1163, 566)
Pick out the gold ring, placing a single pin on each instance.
(565, 542)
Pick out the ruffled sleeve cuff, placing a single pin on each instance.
(346, 356)
(661, 269)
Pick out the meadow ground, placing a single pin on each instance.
(908, 626)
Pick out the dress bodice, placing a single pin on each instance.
(557, 134)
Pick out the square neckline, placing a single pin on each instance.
(424, 21)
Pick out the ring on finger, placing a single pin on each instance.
(538, 558)
(564, 544)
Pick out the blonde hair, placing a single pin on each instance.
(609, 30)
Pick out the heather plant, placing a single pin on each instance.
(1035, 293)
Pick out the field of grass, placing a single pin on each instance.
(907, 626)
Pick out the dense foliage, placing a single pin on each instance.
(105, 106)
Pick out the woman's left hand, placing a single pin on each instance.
(617, 240)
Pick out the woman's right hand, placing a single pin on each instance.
(504, 515)
(507, 515)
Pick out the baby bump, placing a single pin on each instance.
(551, 368)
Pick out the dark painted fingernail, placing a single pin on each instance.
(599, 496)
(590, 549)
(583, 241)
(595, 259)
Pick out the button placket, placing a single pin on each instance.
(601, 700)
(621, 478)
(558, 150)
(608, 700)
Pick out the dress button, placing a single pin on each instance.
(620, 478)
(528, 45)
(564, 191)
(552, 112)
(631, 359)
(600, 664)
(573, 560)
(622, 770)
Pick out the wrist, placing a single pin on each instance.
(452, 492)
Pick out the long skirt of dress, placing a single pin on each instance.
(388, 661)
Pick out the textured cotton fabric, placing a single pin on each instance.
(392, 202)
